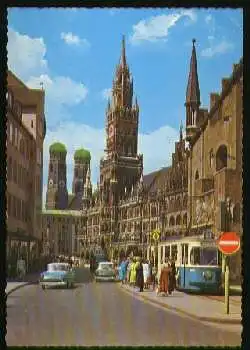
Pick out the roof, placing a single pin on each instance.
(193, 89)
(157, 179)
(76, 202)
(61, 212)
(58, 147)
(82, 154)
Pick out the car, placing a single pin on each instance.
(57, 274)
(105, 272)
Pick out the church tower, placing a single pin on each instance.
(82, 159)
(87, 191)
(192, 97)
(57, 194)
(122, 166)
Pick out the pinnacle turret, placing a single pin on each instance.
(193, 89)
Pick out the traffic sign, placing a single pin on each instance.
(229, 243)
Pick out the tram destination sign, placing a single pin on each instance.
(229, 243)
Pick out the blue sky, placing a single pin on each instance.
(74, 53)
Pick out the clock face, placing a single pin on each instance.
(50, 182)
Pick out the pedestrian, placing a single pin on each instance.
(128, 271)
(122, 270)
(164, 279)
(21, 267)
(172, 276)
(139, 276)
(154, 273)
(145, 274)
(132, 278)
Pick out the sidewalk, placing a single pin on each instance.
(15, 283)
(199, 307)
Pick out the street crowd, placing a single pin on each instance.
(143, 274)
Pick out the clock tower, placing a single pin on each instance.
(122, 166)
(57, 194)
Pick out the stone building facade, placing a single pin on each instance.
(26, 129)
(215, 158)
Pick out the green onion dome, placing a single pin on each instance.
(82, 154)
(58, 147)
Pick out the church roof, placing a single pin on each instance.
(157, 179)
(193, 89)
(58, 147)
(82, 154)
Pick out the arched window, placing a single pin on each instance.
(51, 167)
(221, 158)
(185, 219)
(211, 158)
(10, 169)
(178, 220)
(15, 172)
(197, 175)
(171, 221)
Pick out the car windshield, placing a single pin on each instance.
(58, 267)
(106, 266)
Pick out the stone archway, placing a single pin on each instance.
(221, 158)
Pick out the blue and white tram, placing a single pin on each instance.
(196, 260)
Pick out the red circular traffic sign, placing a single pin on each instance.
(229, 243)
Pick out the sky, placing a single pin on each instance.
(73, 52)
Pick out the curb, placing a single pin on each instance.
(20, 286)
(181, 311)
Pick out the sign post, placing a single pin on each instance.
(228, 244)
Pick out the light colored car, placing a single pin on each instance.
(105, 271)
(57, 274)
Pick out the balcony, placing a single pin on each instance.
(202, 186)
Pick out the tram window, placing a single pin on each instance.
(184, 253)
(209, 256)
(167, 252)
(174, 252)
(195, 256)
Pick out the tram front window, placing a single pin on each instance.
(203, 256)
(209, 256)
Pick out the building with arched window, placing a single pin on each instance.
(25, 136)
(215, 158)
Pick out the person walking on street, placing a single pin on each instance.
(122, 270)
(164, 279)
(139, 276)
(154, 273)
(132, 279)
(145, 274)
(128, 271)
(172, 277)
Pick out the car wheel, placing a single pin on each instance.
(43, 287)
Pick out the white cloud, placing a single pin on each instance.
(157, 27)
(61, 90)
(217, 49)
(106, 93)
(71, 39)
(208, 18)
(26, 55)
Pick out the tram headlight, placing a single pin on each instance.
(207, 275)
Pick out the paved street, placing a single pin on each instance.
(101, 314)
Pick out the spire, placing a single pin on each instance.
(181, 132)
(123, 55)
(193, 90)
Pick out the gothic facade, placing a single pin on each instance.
(215, 158)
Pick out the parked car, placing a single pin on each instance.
(105, 272)
(57, 274)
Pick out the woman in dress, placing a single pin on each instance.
(164, 279)
(122, 271)
(132, 278)
(145, 274)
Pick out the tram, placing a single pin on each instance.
(197, 261)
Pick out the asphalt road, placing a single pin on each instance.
(101, 314)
